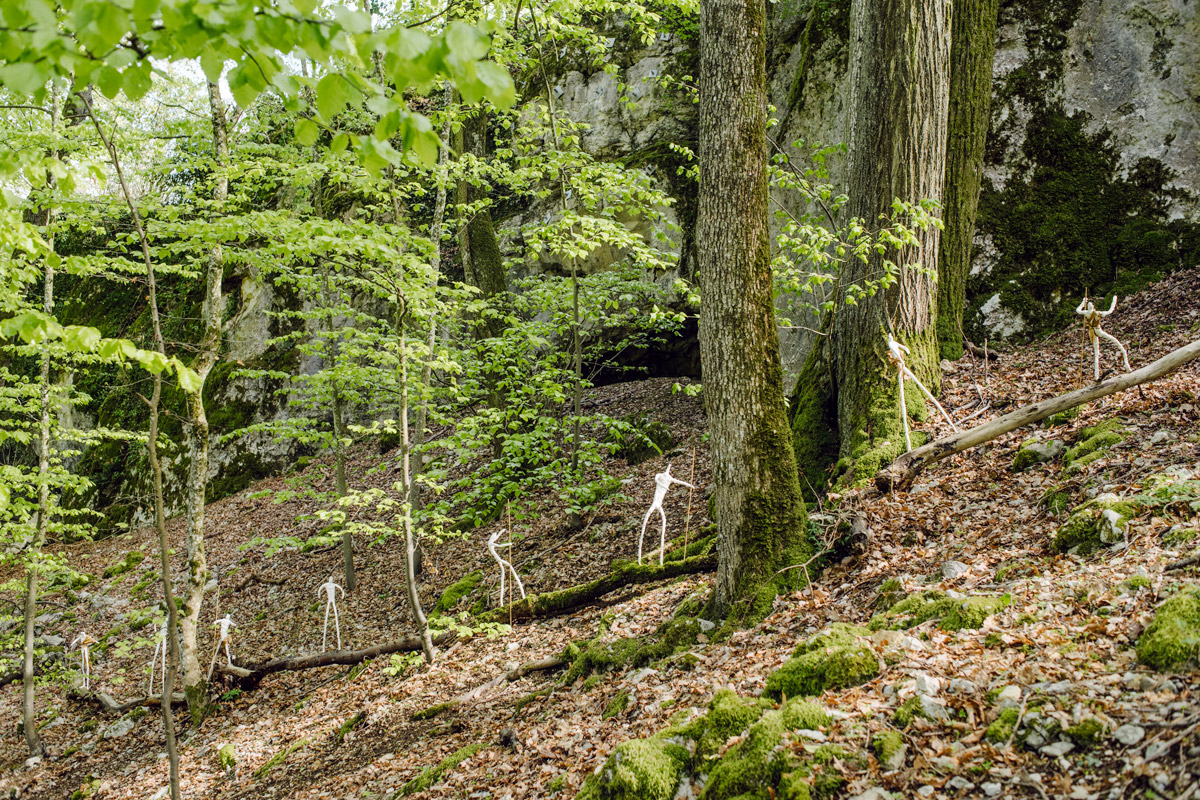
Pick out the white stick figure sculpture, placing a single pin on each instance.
(225, 623)
(330, 588)
(161, 645)
(1092, 318)
(84, 642)
(662, 482)
(896, 353)
(492, 544)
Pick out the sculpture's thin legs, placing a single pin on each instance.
(1095, 357)
(516, 579)
(337, 626)
(213, 663)
(932, 399)
(325, 629)
(662, 539)
(904, 410)
(645, 521)
(228, 657)
(85, 658)
(1121, 347)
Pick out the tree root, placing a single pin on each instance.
(564, 601)
(106, 702)
(511, 675)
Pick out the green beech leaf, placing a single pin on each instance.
(331, 96)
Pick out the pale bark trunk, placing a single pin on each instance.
(198, 433)
(760, 513)
(899, 85)
(339, 449)
(155, 465)
(972, 48)
(410, 552)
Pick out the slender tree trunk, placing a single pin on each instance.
(155, 463)
(482, 265)
(194, 684)
(339, 448)
(760, 512)
(972, 48)
(435, 233)
(410, 550)
(899, 86)
(33, 739)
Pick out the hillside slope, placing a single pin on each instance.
(1056, 660)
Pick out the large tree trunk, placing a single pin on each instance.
(197, 434)
(899, 85)
(760, 512)
(482, 265)
(972, 48)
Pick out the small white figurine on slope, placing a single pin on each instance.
(161, 645)
(662, 482)
(330, 588)
(84, 642)
(225, 623)
(896, 354)
(492, 544)
(1092, 318)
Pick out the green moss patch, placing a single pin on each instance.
(951, 613)
(1034, 451)
(279, 758)
(125, 564)
(1096, 524)
(833, 659)
(432, 774)
(640, 769)
(619, 703)
(887, 746)
(1001, 729)
(1093, 441)
(891, 591)
(1172, 640)
(456, 591)
(1087, 734)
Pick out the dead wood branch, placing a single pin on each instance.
(249, 676)
(980, 352)
(553, 604)
(1182, 563)
(514, 674)
(106, 702)
(901, 472)
(254, 577)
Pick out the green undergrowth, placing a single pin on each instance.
(1172, 640)
(951, 613)
(125, 564)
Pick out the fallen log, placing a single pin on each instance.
(566, 600)
(901, 472)
(250, 675)
(106, 702)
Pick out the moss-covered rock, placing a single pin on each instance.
(833, 659)
(728, 715)
(457, 591)
(434, 773)
(891, 591)
(1087, 733)
(1034, 451)
(1091, 444)
(126, 563)
(756, 762)
(1096, 524)
(1172, 640)
(619, 703)
(889, 748)
(952, 613)
(1001, 729)
(640, 769)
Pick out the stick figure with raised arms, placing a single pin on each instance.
(662, 482)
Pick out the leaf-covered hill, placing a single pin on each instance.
(1005, 638)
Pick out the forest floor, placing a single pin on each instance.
(971, 525)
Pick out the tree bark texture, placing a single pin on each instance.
(482, 265)
(760, 512)
(899, 85)
(972, 48)
(197, 434)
